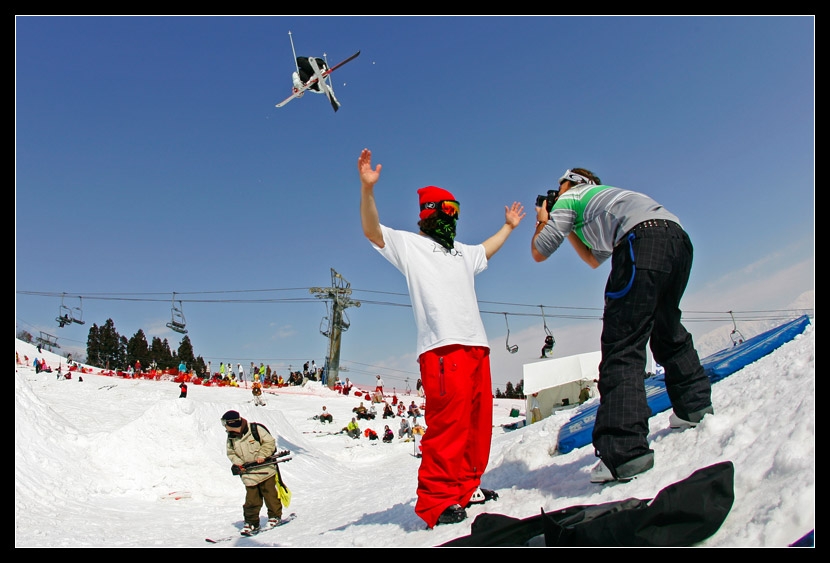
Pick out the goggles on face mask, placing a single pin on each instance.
(574, 178)
(449, 207)
(232, 423)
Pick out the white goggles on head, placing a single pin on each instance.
(575, 178)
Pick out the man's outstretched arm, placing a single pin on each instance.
(369, 217)
(513, 215)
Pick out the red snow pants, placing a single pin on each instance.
(459, 418)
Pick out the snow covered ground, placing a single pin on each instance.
(112, 462)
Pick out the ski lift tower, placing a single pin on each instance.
(338, 322)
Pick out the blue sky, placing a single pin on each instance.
(150, 159)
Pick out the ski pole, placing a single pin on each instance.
(291, 38)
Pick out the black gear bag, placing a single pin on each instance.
(682, 514)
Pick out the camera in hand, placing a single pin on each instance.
(547, 200)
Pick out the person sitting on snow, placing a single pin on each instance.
(405, 431)
(325, 416)
(352, 429)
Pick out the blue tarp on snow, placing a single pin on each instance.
(578, 430)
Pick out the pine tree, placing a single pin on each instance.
(185, 352)
(137, 349)
(160, 352)
(25, 336)
(105, 347)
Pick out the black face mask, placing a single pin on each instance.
(440, 227)
(234, 434)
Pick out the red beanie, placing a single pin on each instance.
(432, 194)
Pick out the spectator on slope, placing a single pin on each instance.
(535, 411)
(352, 429)
(325, 416)
(256, 391)
(584, 394)
(405, 430)
(362, 412)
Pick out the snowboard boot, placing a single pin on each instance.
(273, 522)
(677, 422)
(452, 515)
(250, 529)
(601, 473)
(480, 496)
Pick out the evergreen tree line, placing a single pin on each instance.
(510, 392)
(107, 349)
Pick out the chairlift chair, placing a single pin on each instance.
(510, 348)
(550, 341)
(325, 329)
(735, 335)
(64, 313)
(177, 323)
(78, 312)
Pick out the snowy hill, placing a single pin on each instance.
(96, 462)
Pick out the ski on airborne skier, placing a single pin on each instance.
(298, 92)
(283, 522)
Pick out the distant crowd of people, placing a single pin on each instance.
(267, 376)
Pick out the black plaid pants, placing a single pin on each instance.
(649, 272)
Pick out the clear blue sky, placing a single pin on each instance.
(150, 159)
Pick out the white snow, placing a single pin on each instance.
(113, 462)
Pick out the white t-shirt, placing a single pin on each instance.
(441, 286)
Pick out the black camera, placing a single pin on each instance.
(547, 200)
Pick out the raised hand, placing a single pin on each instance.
(368, 177)
(514, 214)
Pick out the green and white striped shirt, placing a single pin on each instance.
(600, 216)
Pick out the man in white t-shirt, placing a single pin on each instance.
(452, 347)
